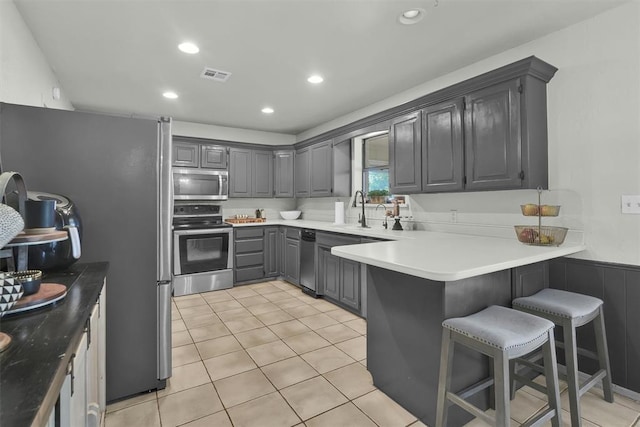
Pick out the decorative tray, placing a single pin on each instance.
(49, 293)
(244, 220)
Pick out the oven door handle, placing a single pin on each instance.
(227, 230)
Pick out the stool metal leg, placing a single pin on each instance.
(603, 354)
(571, 361)
(501, 384)
(551, 375)
(444, 381)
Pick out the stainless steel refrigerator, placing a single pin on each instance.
(117, 170)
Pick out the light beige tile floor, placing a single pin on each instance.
(268, 355)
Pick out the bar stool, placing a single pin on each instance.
(571, 310)
(502, 334)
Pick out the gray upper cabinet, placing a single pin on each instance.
(262, 185)
(492, 136)
(283, 173)
(442, 147)
(193, 155)
(213, 157)
(250, 173)
(240, 173)
(302, 175)
(321, 169)
(185, 155)
(405, 154)
(342, 168)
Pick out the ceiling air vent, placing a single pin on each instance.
(217, 75)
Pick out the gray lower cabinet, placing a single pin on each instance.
(292, 255)
(282, 240)
(271, 252)
(283, 173)
(405, 154)
(250, 173)
(249, 262)
(442, 147)
(338, 278)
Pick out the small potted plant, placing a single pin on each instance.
(377, 196)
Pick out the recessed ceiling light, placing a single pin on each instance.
(267, 110)
(411, 16)
(170, 95)
(315, 79)
(188, 47)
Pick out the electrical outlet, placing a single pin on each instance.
(454, 215)
(630, 204)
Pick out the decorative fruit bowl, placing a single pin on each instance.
(541, 235)
(10, 291)
(531, 209)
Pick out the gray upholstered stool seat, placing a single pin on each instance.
(571, 310)
(502, 334)
(580, 308)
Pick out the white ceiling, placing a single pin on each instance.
(119, 56)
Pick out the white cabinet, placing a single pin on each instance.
(82, 397)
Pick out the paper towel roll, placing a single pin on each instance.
(339, 213)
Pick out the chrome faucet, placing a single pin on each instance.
(384, 222)
(363, 220)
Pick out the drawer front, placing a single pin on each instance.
(246, 260)
(331, 239)
(249, 232)
(293, 233)
(245, 246)
(250, 273)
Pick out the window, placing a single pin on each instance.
(375, 164)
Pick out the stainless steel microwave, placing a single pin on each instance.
(199, 184)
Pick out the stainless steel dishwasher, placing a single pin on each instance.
(308, 261)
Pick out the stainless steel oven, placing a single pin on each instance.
(202, 249)
(199, 184)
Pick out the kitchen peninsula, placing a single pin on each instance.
(413, 285)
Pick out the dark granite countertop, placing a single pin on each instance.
(32, 368)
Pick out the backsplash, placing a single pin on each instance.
(482, 213)
(272, 207)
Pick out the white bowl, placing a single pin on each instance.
(290, 214)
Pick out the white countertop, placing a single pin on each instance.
(435, 255)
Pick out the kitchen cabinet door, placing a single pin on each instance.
(301, 169)
(321, 169)
(185, 155)
(292, 261)
(262, 176)
(282, 240)
(213, 157)
(350, 283)
(271, 266)
(283, 173)
(240, 173)
(405, 173)
(492, 137)
(329, 266)
(442, 147)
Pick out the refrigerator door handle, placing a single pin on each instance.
(165, 200)
(164, 330)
